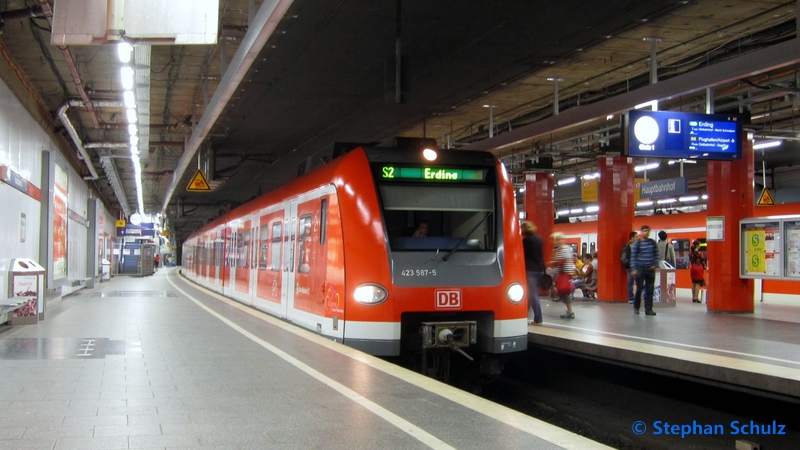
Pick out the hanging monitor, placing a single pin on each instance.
(670, 134)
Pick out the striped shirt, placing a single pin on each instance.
(564, 253)
(644, 254)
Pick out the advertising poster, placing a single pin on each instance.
(761, 248)
(792, 233)
(27, 288)
(60, 192)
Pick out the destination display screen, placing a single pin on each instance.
(669, 134)
(388, 172)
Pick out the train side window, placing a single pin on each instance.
(244, 253)
(262, 253)
(323, 219)
(276, 246)
(303, 255)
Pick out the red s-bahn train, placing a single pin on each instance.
(333, 252)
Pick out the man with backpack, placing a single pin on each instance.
(625, 256)
(644, 261)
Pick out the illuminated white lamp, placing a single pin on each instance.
(124, 51)
(522, 189)
(689, 198)
(563, 212)
(134, 150)
(704, 196)
(130, 100)
(591, 176)
(126, 74)
(645, 203)
(648, 166)
(666, 201)
(590, 209)
(131, 113)
(134, 140)
(652, 104)
(564, 181)
(430, 154)
(609, 117)
(766, 144)
(576, 211)
(133, 129)
(135, 158)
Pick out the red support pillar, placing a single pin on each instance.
(540, 207)
(614, 224)
(730, 195)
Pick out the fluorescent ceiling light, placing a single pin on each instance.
(648, 166)
(563, 212)
(653, 104)
(126, 74)
(131, 113)
(130, 100)
(132, 129)
(592, 209)
(665, 201)
(134, 140)
(645, 203)
(689, 198)
(685, 161)
(704, 196)
(766, 144)
(124, 51)
(576, 211)
(564, 181)
(591, 176)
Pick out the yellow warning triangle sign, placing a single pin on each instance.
(198, 183)
(766, 198)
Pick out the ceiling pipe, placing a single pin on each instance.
(261, 28)
(73, 67)
(62, 114)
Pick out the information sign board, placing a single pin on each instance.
(680, 135)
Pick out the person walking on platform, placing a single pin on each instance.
(534, 268)
(697, 266)
(562, 262)
(644, 261)
(625, 256)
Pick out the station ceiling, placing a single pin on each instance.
(277, 90)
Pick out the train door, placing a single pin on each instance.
(288, 274)
(241, 261)
(254, 255)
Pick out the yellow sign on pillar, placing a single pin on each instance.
(637, 188)
(198, 183)
(590, 190)
(120, 224)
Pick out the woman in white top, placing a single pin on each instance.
(562, 262)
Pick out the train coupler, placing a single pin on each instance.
(452, 335)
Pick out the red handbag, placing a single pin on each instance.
(563, 284)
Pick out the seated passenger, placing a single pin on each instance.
(421, 229)
(588, 283)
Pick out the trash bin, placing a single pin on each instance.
(664, 288)
(26, 288)
(105, 267)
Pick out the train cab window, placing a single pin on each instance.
(457, 216)
(275, 261)
(304, 243)
(262, 252)
(323, 219)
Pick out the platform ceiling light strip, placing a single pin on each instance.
(261, 28)
(766, 144)
(649, 166)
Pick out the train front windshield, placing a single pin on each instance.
(436, 214)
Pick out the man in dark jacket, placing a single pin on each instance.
(644, 261)
(626, 263)
(534, 268)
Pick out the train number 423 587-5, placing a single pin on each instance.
(418, 273)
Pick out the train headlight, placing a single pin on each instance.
(370, 294)
(515, 293)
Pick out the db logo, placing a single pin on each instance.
(448, 299)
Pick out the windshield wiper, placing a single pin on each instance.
(453, 250)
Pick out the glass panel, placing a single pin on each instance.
(262, 254)
(436, 217)
(303, 259)
(275, 265)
